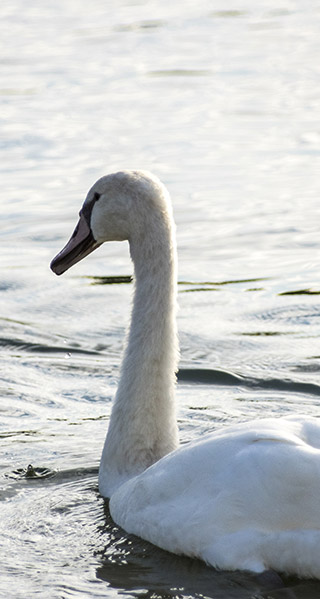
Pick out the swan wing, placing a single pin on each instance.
(245, 497)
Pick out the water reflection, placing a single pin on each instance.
(132, 565)
(128, 563)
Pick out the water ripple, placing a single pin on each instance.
(222, 377)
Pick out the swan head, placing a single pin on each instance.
(117, 208)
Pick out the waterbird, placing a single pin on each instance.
(243, 497)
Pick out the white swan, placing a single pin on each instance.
(246, 497)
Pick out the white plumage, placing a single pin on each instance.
(245, 497)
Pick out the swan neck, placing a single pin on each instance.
(143, 425)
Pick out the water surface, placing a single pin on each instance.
(223, 105)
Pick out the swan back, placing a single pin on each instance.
(243, 498)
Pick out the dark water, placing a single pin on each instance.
(223, 105)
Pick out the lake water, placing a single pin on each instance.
(222, 101)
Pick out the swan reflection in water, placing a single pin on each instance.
(131, 564)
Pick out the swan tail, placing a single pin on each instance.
(291, 552)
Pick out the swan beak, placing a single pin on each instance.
(80, 244)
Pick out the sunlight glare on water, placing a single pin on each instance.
(222, 103)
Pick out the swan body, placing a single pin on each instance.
(244, 497)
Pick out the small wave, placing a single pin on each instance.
(28, 346)
(220, 283)
(193, 286)
(301, 292)
(180, 73)
(222, 377)
(110, 280)
(290, 314)
(139, 25)
(30, 475)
